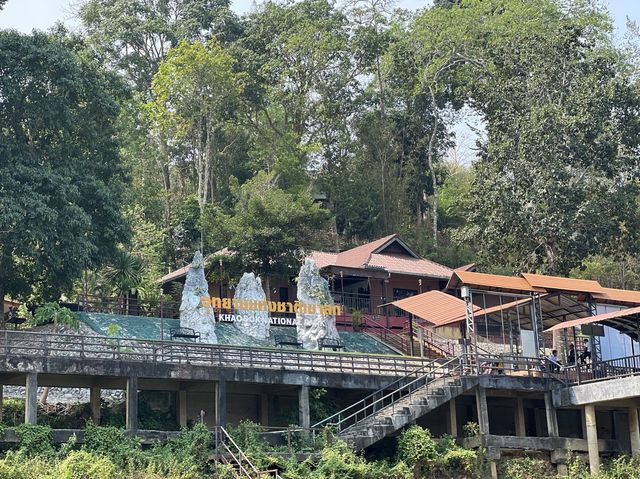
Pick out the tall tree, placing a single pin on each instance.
(61, 179)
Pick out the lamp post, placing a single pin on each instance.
(470, 327)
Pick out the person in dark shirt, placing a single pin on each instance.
(571, 356)
(586, 353)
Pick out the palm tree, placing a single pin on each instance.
(124, 275)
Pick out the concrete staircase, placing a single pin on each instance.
(400, 404)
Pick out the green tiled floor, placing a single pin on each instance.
(140, 327)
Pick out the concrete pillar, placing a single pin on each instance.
(483, 410)
(453, 418)
(31, 402)
(592, 438)
(493, 469)
(303, 405)
(221, 403)
(132, 404)
(552, 417)
(264, 409)
(521, 430)
(1, 402)
(182, 408)
(94, 402)
(634, 431)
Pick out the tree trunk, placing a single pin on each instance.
(430, 157)
(166, 180)
(45, 395)
(1, 301)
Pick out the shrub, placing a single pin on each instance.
(114, 443)
(417, 445)
(85, 465)
(53, 313)
(524, 468)
(35, 440)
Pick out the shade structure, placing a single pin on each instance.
(435, 307)
(624, 320)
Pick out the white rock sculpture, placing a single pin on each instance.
(313, 289)
(195, 309)
(255, 321)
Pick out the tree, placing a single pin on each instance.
(271, 229)
(61, 178)
(196, 97)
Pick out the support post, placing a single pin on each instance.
(634, 431)
(182, 408)
(521, 430)
(552, 418)
(592, 439)
(31, 402)
(264, 409)
(421, 341)
(221, 403)
(453, 418)
(132, 404)
(483, 410)
(1, 402)
(94, 402)
(303, 405)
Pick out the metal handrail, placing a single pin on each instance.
(101, 348)
(222, 437)
(602, 370)
(407, 386)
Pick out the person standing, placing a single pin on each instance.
(571, 355)
(586, 352)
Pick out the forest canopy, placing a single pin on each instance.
(312, 124)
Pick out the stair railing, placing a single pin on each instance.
(373, 403)
(241, 463)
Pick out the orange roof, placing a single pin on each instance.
(178, 273)
(564, 284)
(380, 255)
(599, 318)
(435, 307)
(618, 296)
(492, 281)
(359, 256)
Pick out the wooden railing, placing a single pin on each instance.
(129, 306)
(100, 348)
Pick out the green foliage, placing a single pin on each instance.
(524, 468)
(85, 465)
(35, 440)
(54, 313)
(320, 406)
(113, 443)
(416, 445)
(471, 429)
(60, 153)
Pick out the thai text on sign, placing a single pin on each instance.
(271, 306)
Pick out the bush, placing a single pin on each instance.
(524, 468)
(53, 313)
(85, 465)
(416, 445)
(114, 443)
(35, 440)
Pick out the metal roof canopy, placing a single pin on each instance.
(626, 321)
(436, 307)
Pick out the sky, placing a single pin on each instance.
(25, 15)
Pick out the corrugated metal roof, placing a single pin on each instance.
(599, 318)
(563, 284)
(618, 296)
(178, 273)
(492, 282)
(435, 307)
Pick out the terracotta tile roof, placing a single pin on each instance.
(396, 263)
(563, 284)
(373, 255)
(359, 256)
(491, 282)
(323, 259)
(178, 273)
(436, 307)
